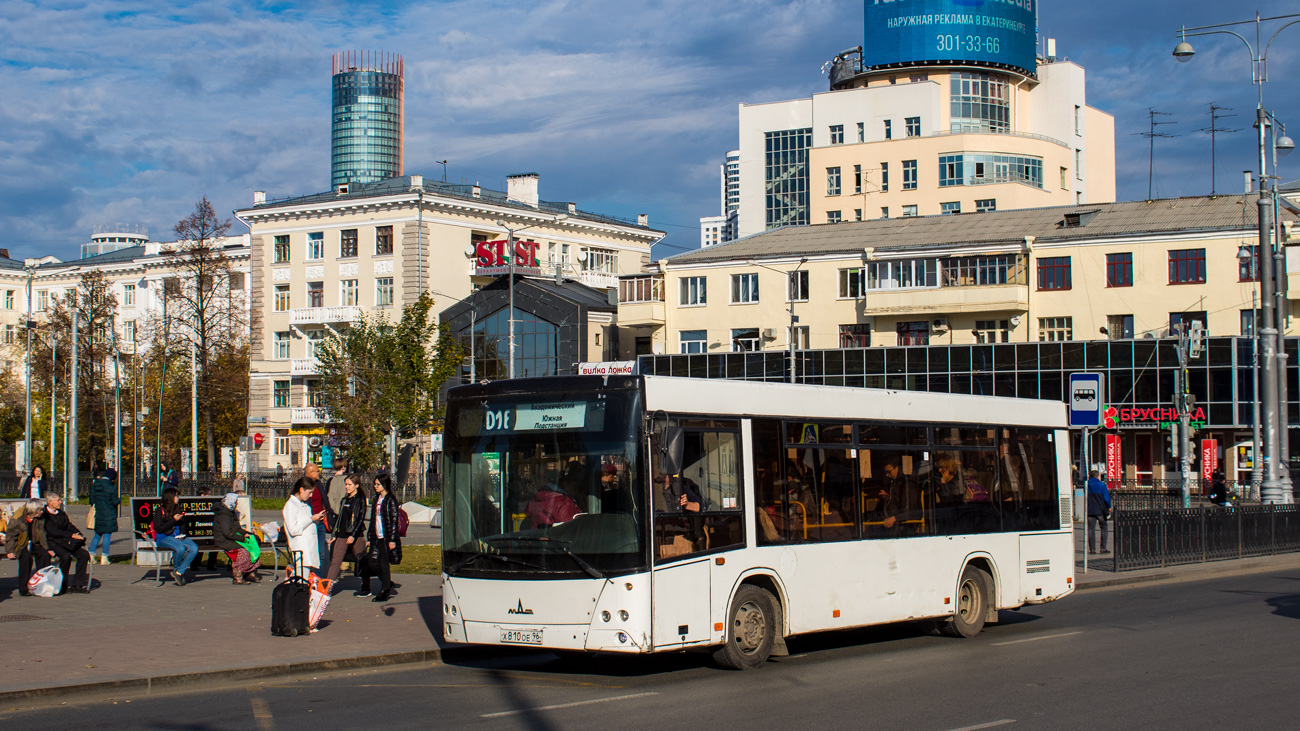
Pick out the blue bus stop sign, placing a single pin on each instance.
(1085, 399)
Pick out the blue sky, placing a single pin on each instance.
(132, 110)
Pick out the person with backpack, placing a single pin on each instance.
(385, 540)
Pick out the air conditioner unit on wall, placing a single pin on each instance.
(769, 333)
(941, 323)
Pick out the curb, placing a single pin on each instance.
(176, 680)
(1218, 568)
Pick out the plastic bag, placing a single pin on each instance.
(272, 531)
(45, 582)
(320, 599)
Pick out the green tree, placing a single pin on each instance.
(378, 376)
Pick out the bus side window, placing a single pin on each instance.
(767, 474)
(700, 508)
(1026, 468)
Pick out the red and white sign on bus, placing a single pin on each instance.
(490, 258)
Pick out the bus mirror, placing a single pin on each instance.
(671, 448)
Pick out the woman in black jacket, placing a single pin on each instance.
(227, 534)
(350, 530)
(34, 485)
(385, 544)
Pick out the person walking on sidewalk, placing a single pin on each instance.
(66, 541)
(1098, 511)
(329, 519)
(105, 499)
(350, 533)
(25, 541)
(34, 485)
(227, 535)
(167, 527)
(385, 544)
(301, 524)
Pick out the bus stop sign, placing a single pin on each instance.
(1085, 399)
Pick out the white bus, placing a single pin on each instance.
(650, 514)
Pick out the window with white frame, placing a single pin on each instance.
(312, 394)
(316, 245)
(903, 274)
(908, 211)
(913, 125)
(744, 288)
(857, 179)
(986, 205)
(349, 293)
(383, 292)
(693, 341)
(602, 261)
(799, 337)
(281, 298)
(128, 295)
(851, 283)
(798, 286)
(745, 339)
(694, 291)
(833, 181)
(950, 208)
(129, 331)
(282, 344)
(9, 299)
(282, 446)
(10, 334)
(992, 331)
(837, 134)
(909, 175)
(833, 217)
(42, 301)
(1055, 328)
(862, 131)
(315, 339)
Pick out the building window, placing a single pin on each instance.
(129, 331)
(857, 178)
(1248, 269)
(1119, 327)
(601, 261)
(909, 175)
(908, 211)
(992, 331)
(9, 299)
(1119, 270)
(950, 208)
(312, 395)
(1054, 273)
(282, 249)
(383, 240)
(1055, 328)
(884, 211)
(315, 340)
(282, 446)
(832, 217)
(1248, 320)
(857, 214)
(837, 134)
(128, 295)
(280, 394)
(852, 283)
(1180, 320)
(1187, 266)
(282, 344)
(884, 177)
(744, 339)
(349, 293)
(979, 103)
(383, 292)
(694, 291)
(693, 341)
(799, 337)
(281, 298)
(42, 301)
(10, 334)
(1065, 178)
(798, 287)
(862, 131)
(973, 271)
(1078, 164)
(980, 168)
(902, 274)
(913, 126)
(855, 336)
(889, 129)
(832, 181)
(787, 177)
(744, 288)
(986, 205)
(315, 294)
(348, 243)
(1076, 121)
(913, 333)
(316, 245)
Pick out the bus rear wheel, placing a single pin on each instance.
(972, 604)
(751, 631)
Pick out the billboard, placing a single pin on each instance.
(999, 33)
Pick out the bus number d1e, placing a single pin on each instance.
(497, 420)
(972, 44)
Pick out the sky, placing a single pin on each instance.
(132, 110)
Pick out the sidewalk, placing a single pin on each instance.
(1101, 571)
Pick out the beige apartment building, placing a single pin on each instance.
(320, 262)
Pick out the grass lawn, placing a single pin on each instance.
(415, 560)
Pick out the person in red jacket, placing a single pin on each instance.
(550, 506)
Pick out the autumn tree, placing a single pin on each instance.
(377, 377)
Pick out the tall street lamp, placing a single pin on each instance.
(1248, 259)
(1271, 489)
(1282, 146)
(27, 432)
(510, 259)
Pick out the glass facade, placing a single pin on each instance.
(537, 344)
(786, 177)
(366, 139)
(980, 103)
(977, 168)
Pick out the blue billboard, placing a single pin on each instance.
(999, 33)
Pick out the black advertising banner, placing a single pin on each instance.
(195, 524)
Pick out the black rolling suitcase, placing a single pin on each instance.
(290, 602)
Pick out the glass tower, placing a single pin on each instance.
(366, 137)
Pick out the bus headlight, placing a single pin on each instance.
(622, 638)
(605, 615)
(623, 615)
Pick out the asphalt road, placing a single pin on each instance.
(1218, 653)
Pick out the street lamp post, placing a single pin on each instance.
(27, 431)
(510, 260)
(1282, 146)
(1245, 256)
(1271, 489)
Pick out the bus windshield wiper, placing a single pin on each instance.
(583, 563)
(451, 570)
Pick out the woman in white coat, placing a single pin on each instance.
(300, 524)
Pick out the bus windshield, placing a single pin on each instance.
(543, 484)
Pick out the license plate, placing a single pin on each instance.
(522, 636)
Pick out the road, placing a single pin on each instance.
(1196, 654)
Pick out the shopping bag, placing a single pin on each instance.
(254, 550)
(320, 599)
(45, 582)
(272, 531)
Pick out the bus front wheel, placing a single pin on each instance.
(972, 604)
(751, 632)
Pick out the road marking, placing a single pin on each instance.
(262, 714)
(566, 705)
(1034, 639)
(990, 724)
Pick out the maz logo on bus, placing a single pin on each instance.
(499, 420)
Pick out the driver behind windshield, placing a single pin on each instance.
(552, 505)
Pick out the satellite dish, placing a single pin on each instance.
(469, 251)
(582, 255)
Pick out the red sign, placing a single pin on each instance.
(1114, 460)
(490, 257)
(258, 439)
(1209, 459)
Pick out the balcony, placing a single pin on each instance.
(303, 367)
(948, 300)
(310, 415)
(323, 315)
(641, 301)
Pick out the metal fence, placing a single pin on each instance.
(269, 484)
(1167, 537)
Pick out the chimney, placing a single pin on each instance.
(4, 253)
(642, 219)
(417, 182)
(259, 197)
(476, 191)
(522, 189)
